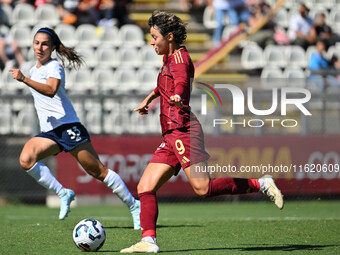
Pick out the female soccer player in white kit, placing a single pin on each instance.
(60, 126)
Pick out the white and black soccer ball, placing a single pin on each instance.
(89, 235)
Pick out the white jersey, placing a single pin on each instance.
(56, 111)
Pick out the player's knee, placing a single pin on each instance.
(201, 191)
(143, 187)
(26, 161)
(97, 173)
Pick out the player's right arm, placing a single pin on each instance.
(49, 89)
(142, 109)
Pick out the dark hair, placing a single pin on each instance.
(169, 23)
(62, 51)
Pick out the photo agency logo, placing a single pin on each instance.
(279, 100)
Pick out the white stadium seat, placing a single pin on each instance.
(22, 34)
(110, 37)
(131, 35)
(104, 78)
(129, 57)
(47, 14)
(88, 54)
(7, 12)
(149, 57)
(107, 57)
(126, 79)
(294, 76)
(83, 81)
(5, 119)
(296, 55)
(252, 57)
(86, 34)
(147, 77)
(275, 55)
(66, 34)
(23, 14)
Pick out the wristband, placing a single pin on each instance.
(23, 78)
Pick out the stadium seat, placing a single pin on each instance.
(149, 57)
(86, 34)
(4, 29)
(131, 35)
(335, 17)
(126, 79)
(7, 14)
(275, 55)
(333, 50)
(22, 34)
(23, 121)
(227, 31)
(69, 79)
(88, 54)
(294, 76)
(47, 14)
(252, 57)
(129, 57)
(147, 77)
(271, 76)
(66, 34)
(310, 50)
(83, 82)
(110, 37)
(317, 10)
(5, 119)
(326, 4)
(11, 86)
(296, 55)
(93, 117)
(23, 14)
(209, 20)
(104, 77)
(107, 57)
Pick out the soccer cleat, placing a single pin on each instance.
(142, 246)
(65, 200)
(270, 190)
(135, 211)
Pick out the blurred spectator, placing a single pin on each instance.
(236, 10)
(78, 12)
(121, 13)
(195, 8)
(301, 29)
(265, 36)
(10, 53)
(37, 3)
(318, 62)
(324, 32)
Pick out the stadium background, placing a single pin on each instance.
(121, 69)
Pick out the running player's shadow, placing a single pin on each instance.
(293, 247)
(158, 226)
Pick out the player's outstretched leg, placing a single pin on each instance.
(135, 211)
(270, 190)
(147, 244)
(65, 200)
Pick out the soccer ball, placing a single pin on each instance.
(89, 235)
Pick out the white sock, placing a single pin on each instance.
(150, 239)
(44, 177)
(261, 181)
(114, 182)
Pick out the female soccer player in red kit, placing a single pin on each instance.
(183, 142)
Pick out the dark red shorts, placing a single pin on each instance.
(181, 148)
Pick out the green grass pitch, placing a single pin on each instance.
(186, 228)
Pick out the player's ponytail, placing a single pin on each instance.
(63, 52)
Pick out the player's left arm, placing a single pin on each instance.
(181, 74)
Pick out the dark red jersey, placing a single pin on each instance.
(175, 78)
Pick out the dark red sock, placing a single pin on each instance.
(148, 213)
(230, 186)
